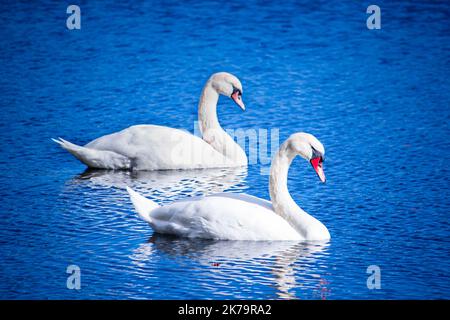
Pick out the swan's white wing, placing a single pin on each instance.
(247, 198)
(151, 147)
(223, 216)
(95, 158)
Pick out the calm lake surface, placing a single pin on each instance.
(377, 99)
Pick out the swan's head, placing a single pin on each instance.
(228, 85)
(310, 148)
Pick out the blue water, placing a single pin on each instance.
(377, 99)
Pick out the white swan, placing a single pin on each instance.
(229, 216)
(152, 147)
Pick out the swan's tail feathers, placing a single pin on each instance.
(93, 158)
(66, 144)
(142, 205)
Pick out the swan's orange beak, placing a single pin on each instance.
(237, 97)
(317, 164)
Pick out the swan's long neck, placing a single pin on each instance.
(211, 130)
(207, 109)
(282, 201)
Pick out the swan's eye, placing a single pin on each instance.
(236, 90)
(317, 154)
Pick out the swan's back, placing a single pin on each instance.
(222, 216)
(151, 147)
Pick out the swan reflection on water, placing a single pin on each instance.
(283, 265)
(167, 185)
